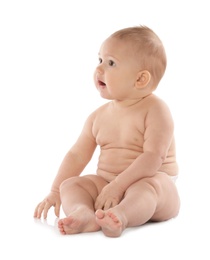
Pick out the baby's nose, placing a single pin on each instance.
(99, 69)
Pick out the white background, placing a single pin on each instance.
(48, 52)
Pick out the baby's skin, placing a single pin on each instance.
(120, 133)
(137, 159)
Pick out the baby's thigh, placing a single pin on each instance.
(160, 189)
(98, 181)
(168, 197)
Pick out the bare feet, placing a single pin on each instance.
(81, 220)
(110, 224)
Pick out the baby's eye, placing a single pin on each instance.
(111, 63)
(100, 60)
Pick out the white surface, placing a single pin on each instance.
(48, 51)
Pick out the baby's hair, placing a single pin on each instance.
(148, 47)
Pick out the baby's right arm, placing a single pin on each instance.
(73, 164)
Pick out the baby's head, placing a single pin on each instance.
(132, 61)
(148, 48)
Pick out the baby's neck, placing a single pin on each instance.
(126, 103)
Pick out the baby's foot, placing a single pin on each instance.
(81, 220)
(111, 225)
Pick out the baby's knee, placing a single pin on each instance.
(154, 185)
(69, 183)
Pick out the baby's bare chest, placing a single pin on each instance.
(118, 130)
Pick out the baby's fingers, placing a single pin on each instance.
(38, 210)
(98, 203)
(57, 209)
(42, 207)
(110, 203)
(46, 208)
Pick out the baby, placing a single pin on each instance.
(134, 182)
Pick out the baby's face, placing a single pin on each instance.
(116, 74)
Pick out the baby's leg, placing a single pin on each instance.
(153, 198)
(78, 196)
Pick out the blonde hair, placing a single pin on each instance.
(148, 47)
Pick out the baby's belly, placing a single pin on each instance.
(113, 161)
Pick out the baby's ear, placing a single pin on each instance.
(143, 79)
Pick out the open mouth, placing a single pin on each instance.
(101, 84)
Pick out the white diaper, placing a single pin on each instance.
(174, 178)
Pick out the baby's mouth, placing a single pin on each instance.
(101, 84)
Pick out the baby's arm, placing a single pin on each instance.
(73, 164)
(158, 136)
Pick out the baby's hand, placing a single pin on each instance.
(53, 199)
(109, 197)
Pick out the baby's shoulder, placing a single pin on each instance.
(153, 102)
(157, 109)
(98, 111)
(102, 108)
